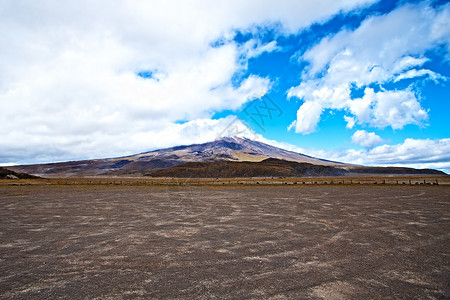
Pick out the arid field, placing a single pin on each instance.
(339, 241)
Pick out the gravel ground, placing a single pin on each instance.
(313, 242)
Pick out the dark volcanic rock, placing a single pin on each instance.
(145, 165)
(266, 168)
(395, 170)
(8, 174)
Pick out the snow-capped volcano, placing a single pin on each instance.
(228, 149)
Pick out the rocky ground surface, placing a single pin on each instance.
(313, 242)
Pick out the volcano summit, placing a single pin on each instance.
(227, 152)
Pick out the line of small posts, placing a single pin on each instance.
(240, 181)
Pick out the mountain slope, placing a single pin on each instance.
(224, 149)
(229, 149)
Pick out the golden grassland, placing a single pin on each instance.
(275, 181)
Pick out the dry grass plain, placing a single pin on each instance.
(287, 241)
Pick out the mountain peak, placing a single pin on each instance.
(222, 151)
(235, 149)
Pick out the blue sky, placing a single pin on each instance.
(283, 68)
(360, 81)
(284, 65)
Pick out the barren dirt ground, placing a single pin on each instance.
(330, 242)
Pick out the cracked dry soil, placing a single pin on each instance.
(124, 242)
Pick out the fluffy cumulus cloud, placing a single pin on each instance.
(366, 139)
(387, 108)
(372, 56)
(308, 116)
(86, 79)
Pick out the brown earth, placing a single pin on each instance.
(313, 242)
(266, 168)
(273, 167)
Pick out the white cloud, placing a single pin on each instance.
(308, 116)
(350, 122)
(292, 125)
(413, 73)
(24, 147)
(408, 62)
(366, 139)
(254, 48)
(387, 108)
(68, 83)
(375, 53)
(412, 153)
